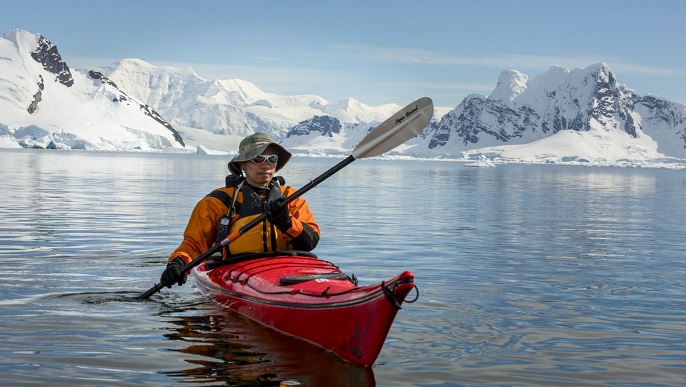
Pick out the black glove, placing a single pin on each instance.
(173, 273)
(280, 216)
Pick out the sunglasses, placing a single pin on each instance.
(271, 159)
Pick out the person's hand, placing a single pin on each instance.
(280, 216)
(173, 273)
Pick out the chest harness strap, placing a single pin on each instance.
(254, 202)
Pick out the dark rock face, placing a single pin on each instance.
(37, 97)
(469, 122)
(34, 104)
(47, 55)
(325, 125)
(157, 117)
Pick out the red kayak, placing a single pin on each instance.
(308, 298)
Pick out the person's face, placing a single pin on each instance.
(260, 174)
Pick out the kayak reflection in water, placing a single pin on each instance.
(223, 348)
(251, 190)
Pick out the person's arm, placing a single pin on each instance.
(304, 232)
(201, 230)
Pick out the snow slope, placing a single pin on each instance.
(42, 100)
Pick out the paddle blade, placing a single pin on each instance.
(399, 128)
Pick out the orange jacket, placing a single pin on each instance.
(201, 231)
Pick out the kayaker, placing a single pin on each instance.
(251, 189)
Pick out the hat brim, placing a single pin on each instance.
(252, 152)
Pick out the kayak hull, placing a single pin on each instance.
(310, 299)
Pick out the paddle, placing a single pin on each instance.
(396, 130)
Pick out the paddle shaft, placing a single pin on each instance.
(248, 226)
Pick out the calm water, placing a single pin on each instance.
(528, 275)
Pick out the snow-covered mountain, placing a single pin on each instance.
(232, 108)
(579, 115)
(582, 114)
(560, 115)
(44, 103)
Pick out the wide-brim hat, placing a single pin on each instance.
(254, 145)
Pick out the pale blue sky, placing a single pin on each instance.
(375, 51)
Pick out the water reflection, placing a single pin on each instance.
(228, 348)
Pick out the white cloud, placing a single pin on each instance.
(503, 61)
